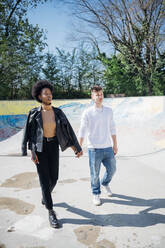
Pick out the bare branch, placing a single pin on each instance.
(10, 16)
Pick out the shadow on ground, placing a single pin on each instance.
(140, 219)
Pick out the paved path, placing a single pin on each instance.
(134, 217)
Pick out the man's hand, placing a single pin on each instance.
(115, 150)
(79, 154)
(34, 157)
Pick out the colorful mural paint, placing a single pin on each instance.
(13, 114)
(134, 116)
(10, 125)
(23, 107)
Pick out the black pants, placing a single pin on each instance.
(48, 168)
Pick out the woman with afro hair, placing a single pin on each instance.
(46, 129)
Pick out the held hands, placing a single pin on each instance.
(79, 154)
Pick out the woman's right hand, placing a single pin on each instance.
(34, 157)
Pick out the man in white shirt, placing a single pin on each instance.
(102, 143)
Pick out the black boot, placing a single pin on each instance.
(42, 201)
(53, 219)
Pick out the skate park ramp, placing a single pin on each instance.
(140, 123)
(133, 217)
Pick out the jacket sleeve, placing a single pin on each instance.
(25, 138)
(71, 134)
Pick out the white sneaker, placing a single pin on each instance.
(107, 190)
(96, 200)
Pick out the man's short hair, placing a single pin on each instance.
(38, 86)
(96, 88)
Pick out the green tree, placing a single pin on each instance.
(159, 76)
(79, 70)
(66, 63)
(133, 28)
(50, 69)
(74, 72)
(88, 68)
(21, 46)
(120, 77)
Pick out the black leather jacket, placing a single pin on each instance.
(33, 131)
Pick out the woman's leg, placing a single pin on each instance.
(53, 152)
(44, 177)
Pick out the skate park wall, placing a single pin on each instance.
(13, 114)
(140, 121)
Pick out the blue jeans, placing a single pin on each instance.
(96, 157)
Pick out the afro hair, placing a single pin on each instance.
(38, 86)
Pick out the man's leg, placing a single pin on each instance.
(95, 158)
(109, 162)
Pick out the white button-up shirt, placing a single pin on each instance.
(99, 125)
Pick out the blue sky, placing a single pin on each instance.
(57, 20)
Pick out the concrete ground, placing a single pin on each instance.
(134, 217)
